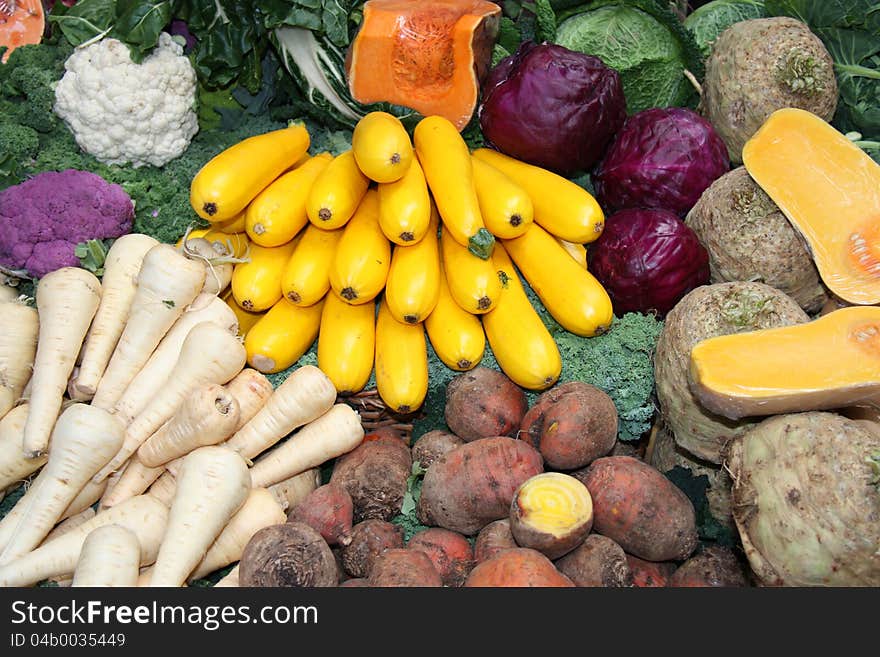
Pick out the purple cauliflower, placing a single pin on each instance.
(43, 219)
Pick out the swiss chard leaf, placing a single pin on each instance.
(139, 24)
(85, 20)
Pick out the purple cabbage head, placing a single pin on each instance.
(661, 158)
(552, 107)
(647, 260)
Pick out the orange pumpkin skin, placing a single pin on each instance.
(24, 26)
(428, 56)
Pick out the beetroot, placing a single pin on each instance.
(647, 260)
(661, 158)
(552, 107)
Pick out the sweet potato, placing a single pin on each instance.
(551, 512)
(328, 510)
(517, 567)
(714, 566)
(365, 542)
(450, 552)
(492, 539)
(483, 403)
(571, 425)
(473, 485)
(375, 474)
(400, 567)
(432, 445)
(597, 561)
(639, 508)
(290, 554)
(650, 574)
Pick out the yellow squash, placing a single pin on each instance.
(246, 320)
(279, 211)
(446, 161)
(562, 207)
(413, 284)
(256, 284)
(576, 251)
(231, 179)
(336, 192)
(306, 277)
(401, 362)
(506, 208)
(473, 282)
(282, 336)
(363, 255)
(347, 343)
(570, 293)
(195, 233)
(381, 147)
(234, 225)
(521, 343)
(456, 335)
(405, 206)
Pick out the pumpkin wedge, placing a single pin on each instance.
(22, 25)
(429, 56)
(830, 191)
(830, 362)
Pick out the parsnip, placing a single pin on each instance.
(212, 486)
(293, 490)
(164, 488)
(304, 396)
(167, 283)
(83, 440)
(67, 300)
(110, 556)
(251, 389)
(146, 516)
(134, 480)
(19, 328)
(119, 283)
(218, 263)
(69, 523)
(7, 292)
(205, 308)
(336, 432)
(207, 416)
(210, 354)
(15, 466)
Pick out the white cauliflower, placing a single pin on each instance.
(126, 113)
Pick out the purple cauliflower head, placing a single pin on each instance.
(43, 219)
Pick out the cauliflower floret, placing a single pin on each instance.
(126, 113)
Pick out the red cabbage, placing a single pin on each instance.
(552, 107)
(661, 158)
(647, 260)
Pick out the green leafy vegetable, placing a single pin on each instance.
(92, 255)
(644, 41)
(707, 22)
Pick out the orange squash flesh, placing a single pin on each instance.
(828, 363)
(23, 26)
(830, 191)
(429, 56)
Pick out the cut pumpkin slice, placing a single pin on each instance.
(429, 56)
(830, 191)
(829, 363)
(21, 23)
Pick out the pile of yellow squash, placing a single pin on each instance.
(395, 242)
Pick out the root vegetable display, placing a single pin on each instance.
(551, 512)
(572, 425)
(19, 328)
(110, 556)
(375, 475)
(493, 538)
(650, 574)
(67, 300)
(400, 567)
(597, 561)
(366, 541)
(289, 554)
(517, 567)
(482, 403)
(473, 485)
(328, 510)
(640, 509)
(432, 445)
(293, 490)
(713, 566)
(450, 553)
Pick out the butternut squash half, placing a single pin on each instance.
(830, 362)
(830, 191)
(429, 56)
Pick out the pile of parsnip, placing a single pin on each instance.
(132, 392)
